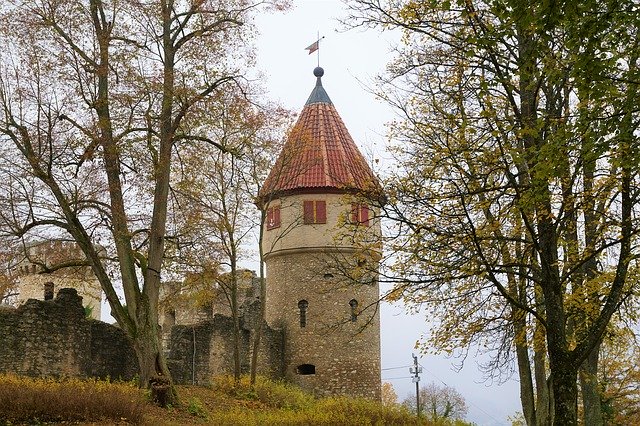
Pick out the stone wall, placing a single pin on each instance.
(200, 351)
(53, 338)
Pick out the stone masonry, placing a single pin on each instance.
(200, 351)
(54, 338)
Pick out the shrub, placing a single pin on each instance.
(344, 410)
(24, 399)
(285, 404)
(196, 409)
(274, 394)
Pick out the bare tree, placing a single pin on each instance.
(97, 98)
(438, 403)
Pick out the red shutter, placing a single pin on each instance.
(270, 218)
(364, 214)
(276, 217)
(308, 212)
(354, 214)
(273, 217)
(321, 212)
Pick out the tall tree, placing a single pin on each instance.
(97, 98)
(215, 191)
(514, 207)
(8, 274)
(438, 403)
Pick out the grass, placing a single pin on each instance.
(36, 401)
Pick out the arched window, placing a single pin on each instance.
(354, 309)
(306, 369)
(303, 305)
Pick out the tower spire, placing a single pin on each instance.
(320, 153)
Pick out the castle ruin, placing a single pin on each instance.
(322, 246)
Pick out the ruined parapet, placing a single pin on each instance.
(201, 351)
(54, 338)
(35, 283)
(182, 303)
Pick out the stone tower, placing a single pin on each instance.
(322, 250)
(34, 284)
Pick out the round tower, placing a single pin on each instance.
(321, 243)
(35, 284)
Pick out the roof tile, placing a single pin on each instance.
(319, 153)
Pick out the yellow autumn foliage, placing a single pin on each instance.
(35, 400)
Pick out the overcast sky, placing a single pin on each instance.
(351, 60)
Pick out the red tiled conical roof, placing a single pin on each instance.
(319, 154)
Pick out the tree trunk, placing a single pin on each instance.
(591, 397)
(154, 372)
(257, 335)
(564, 379)
(234, 307)
(527, 397)
(544, 415)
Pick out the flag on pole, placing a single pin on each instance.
(313, 46)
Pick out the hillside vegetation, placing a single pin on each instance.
(36, 401)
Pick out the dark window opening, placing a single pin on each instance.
(48, 290)
(306, 369)
(354, 309)
(314, 212)
(303, 305)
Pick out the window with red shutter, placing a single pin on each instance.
(359, 214)
(276, 216)
(273, 217)
(321, 211)
(308, 212)
(315, 211)
(355, 213)
(364, 214)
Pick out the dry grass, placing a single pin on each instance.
(35, 401)
(29, 400)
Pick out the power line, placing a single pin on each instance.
(395, 368)
(397, 378)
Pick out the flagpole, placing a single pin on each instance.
(318, 48)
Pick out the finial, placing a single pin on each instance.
(318, 95)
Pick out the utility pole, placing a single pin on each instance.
(416, 370)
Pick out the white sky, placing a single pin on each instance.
(351, 60)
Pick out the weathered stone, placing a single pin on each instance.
(200, 351)
(53, 338)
